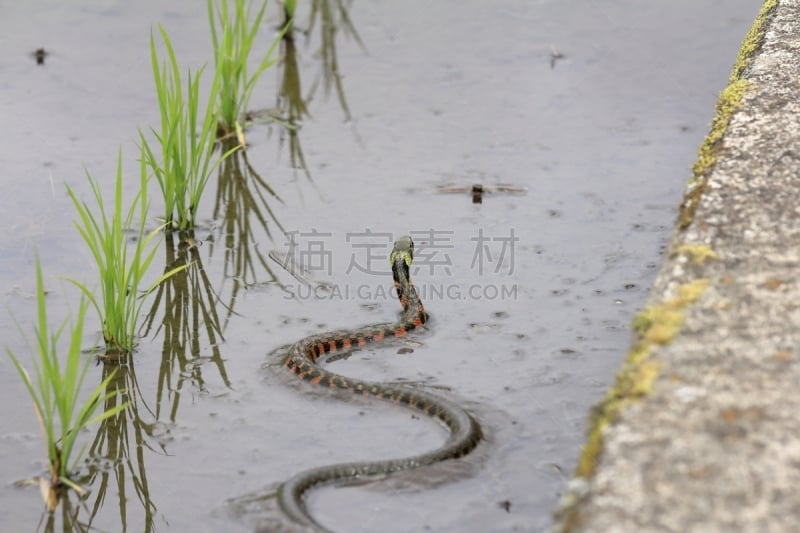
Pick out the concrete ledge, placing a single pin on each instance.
(701, 430)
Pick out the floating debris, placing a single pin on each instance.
(555, 55)
(40, 54)
(478, 190)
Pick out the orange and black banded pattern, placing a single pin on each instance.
(301, 360)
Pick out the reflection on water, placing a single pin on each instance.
(244, 208)
(117, 452)
(333, 17)
(68, 514)
(188, 306)
(325, 21)
(291, 104)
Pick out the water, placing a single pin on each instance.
(531, 293)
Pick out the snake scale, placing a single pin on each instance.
(301, 360)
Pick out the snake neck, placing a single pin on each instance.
(414, 313)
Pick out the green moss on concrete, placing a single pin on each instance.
(662, 323)
(656, 325)
(752, 41)
(729, 101)
(697, 253)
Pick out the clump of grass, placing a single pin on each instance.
(55, 390)
(107, 234)
(186, 137)
(232, 35)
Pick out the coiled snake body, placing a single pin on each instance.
(465, 433)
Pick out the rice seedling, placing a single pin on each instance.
(107, 235)
(186, 136)
(233, 34)
(56, 389)
(289, 9)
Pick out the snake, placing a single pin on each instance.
(301, 359)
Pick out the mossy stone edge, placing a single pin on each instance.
(729, 101)
(658, 324)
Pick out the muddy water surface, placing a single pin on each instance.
(580, 120)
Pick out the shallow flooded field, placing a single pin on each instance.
(579, 120)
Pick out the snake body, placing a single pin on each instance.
(465, 433)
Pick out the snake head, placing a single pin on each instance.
(403, 249)
(401, 257)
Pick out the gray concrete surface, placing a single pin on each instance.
(701, 431)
